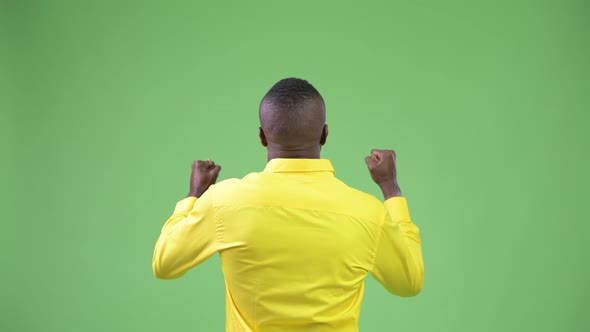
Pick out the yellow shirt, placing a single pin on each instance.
(296, 245)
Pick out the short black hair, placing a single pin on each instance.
(292, 112)
(291, 93)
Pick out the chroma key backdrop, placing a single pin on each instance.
(105, 104)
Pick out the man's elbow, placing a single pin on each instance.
(163, 273)
(412, 290)
(415, 282)
(160, 274)
(164, 276)
(162, 266)
(407, 289)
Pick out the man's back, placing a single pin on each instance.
(296, 245)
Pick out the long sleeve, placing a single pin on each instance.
(188, 238)
(398, 263)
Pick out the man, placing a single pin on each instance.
(295, 242)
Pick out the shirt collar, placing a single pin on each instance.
(284, 165)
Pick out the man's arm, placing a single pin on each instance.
(398, 264)
(189, 236)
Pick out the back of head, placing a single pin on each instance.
(292, 114)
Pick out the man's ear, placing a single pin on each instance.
(262, 137)
(324, 135)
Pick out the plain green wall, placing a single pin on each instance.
(106, 103)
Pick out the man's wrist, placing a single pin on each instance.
(390, 189)
(198, 192)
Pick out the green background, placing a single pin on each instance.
(106, 103)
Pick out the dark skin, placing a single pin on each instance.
(204, 173)
(307, 146)
(380, 163)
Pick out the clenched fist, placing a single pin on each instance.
(204, 174)
(381, 165)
